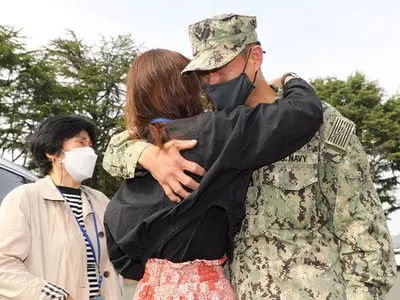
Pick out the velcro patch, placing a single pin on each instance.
(340, 133)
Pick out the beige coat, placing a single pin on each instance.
(40, 243)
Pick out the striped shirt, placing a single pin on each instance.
(54, 292)
(73, 197)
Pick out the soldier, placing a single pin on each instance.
(314, 225)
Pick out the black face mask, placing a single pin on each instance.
(231, 93)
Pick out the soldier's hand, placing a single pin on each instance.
(278, 81)
(167, 166)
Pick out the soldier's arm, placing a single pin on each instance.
(122, 155)
(366, 250)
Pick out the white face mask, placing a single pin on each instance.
(80, 163)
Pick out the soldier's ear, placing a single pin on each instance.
(256, 57)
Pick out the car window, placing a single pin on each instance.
(9, 181)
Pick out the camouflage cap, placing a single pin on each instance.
(218, 40)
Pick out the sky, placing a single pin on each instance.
(314, 38)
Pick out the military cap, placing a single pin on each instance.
(218, 40)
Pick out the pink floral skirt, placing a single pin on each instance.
(194, 280)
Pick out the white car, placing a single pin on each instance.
(397, 256)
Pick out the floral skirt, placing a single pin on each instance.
(194, 280)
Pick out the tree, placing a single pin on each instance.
(92, 78)
(377, 125)
(68, 76)
(27, 92)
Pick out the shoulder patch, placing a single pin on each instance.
(340, 133)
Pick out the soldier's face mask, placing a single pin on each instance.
(232, 93)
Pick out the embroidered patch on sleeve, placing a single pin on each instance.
(340, 133)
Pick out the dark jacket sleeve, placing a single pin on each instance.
(273, 131)
(249, 138)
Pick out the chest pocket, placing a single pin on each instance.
(283, 195)
(293, 173)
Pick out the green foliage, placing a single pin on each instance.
(66, 77)
(27, 92)
(378, 126)
(92, 78)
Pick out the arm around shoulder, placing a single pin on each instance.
(122, 155)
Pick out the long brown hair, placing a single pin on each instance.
(156, 89)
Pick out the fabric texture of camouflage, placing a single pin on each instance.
(122, 155)
(314, 225)
(218, 40)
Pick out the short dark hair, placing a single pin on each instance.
(50, 135)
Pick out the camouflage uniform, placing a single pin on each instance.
(314, 225)
(122, 154)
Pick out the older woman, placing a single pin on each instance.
(52, 242)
